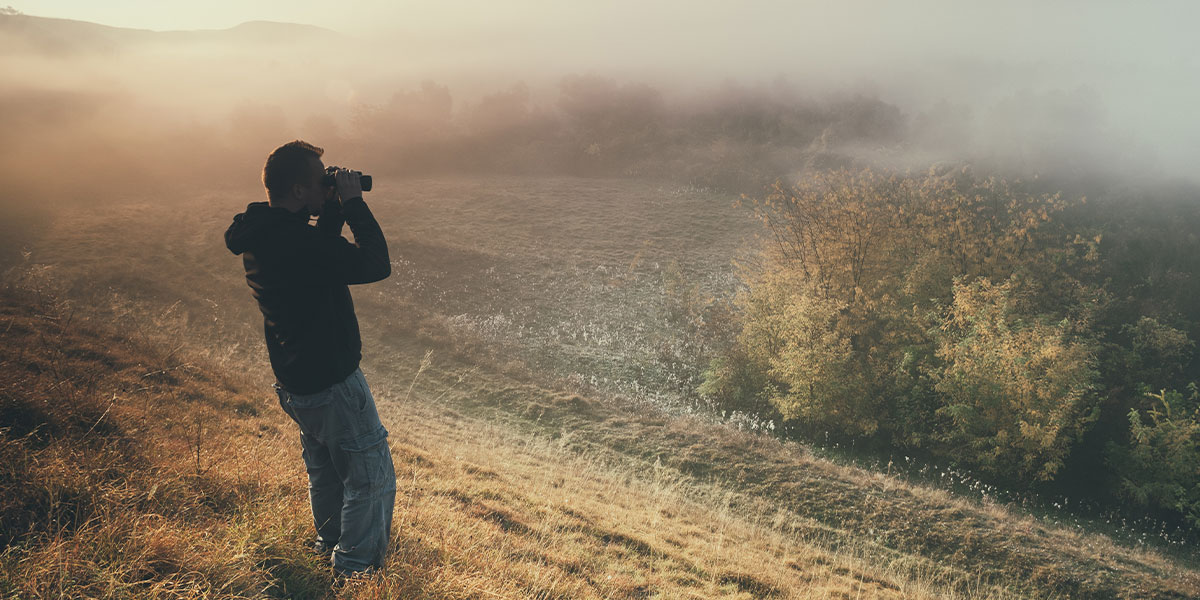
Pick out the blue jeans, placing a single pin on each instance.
(351, 481)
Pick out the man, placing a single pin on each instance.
(299, 275)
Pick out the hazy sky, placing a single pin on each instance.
(728, 38)
(1016, 28)
(1137, 62)
(723, 38)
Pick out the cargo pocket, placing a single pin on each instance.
(369, 465)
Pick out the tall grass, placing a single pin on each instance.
(157, 465)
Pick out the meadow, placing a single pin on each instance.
(530, 358)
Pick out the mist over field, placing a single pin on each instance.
(1074, 88)
(908, 286)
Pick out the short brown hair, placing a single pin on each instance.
(289, 164)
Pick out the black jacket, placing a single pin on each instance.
(299, 275)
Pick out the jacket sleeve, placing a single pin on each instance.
(331, 219)
(334, 259)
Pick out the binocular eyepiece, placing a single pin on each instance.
(328, 180)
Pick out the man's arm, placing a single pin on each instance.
(336, 260)
(331, 220)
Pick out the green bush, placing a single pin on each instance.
(732, 383)
(1160, 467)
(977, 321)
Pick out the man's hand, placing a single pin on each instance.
(348, 183)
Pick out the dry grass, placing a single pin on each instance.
(511, 485)
(131, 473)
(485, 504)
(127, 472)
(110, 493)
(907, 533)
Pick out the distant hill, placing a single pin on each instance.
(67, 38)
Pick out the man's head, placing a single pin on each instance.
(292, 177)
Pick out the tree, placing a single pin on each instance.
(842, 231)
(1160, 466)
(849, 317)
(812, 373)
(1017, 389)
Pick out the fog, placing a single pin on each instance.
(1075, 89)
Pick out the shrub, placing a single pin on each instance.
(1160, 467)
(803, 366)
(1018, 394)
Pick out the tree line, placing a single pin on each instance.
(1037, 339)
(735, 137)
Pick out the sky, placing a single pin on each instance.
(725, 36)
(722, 37)
(862, 39)
(1020, 29)
(1138, 60)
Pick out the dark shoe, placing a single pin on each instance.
(345, 579)
(322, 548)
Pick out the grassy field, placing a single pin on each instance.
(155, 477)
(568, 275)
(525, 360)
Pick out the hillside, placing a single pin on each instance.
(65, 38)
(832, 309)
(136, 471)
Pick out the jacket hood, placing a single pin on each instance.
(248, 228)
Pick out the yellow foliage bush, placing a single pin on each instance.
(1018, 393)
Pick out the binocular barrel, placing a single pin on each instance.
(327, 180)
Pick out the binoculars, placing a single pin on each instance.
(328, 180)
